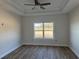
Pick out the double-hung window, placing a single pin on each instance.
(43, 30)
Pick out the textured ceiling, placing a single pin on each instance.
(57, 6)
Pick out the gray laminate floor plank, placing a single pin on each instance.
(41, 52)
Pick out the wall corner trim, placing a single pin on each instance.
(74, 52)
(9, 51)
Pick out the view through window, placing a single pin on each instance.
(43, 30)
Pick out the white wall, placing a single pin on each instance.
(74, 30)
(10, 33)
(61, 30)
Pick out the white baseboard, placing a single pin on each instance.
(6, 53)
(66, 45)
(77, 54)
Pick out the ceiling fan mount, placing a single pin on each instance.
(38, 4)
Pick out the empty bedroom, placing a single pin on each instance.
(39, 29)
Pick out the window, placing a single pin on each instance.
(43, 30)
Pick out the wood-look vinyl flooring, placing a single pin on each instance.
(41, 52)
